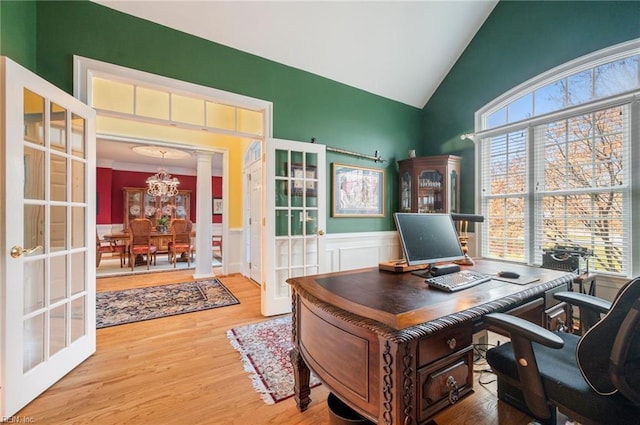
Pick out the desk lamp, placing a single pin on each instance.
(463, 221)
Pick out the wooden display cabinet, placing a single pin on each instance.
(430, 184)
(139, 204)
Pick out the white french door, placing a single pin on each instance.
(255, 221)
(295, 187)
(47, 265)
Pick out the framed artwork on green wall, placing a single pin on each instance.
(357, 191)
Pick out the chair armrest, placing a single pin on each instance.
(522, 334)
(518, 327)
(591, 307)
(597, 305)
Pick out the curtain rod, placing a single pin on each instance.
(375, 157)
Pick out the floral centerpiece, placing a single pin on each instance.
(162, 223)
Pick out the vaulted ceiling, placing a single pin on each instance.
(401, 50)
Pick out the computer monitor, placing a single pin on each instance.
(428, 238)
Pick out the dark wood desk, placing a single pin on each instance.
(393, 349)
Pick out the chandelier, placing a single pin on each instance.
(162, 184)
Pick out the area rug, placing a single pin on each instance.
(138, 304)
(264, 349)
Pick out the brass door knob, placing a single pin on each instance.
(17, 251)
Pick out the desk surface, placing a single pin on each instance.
(401, 300)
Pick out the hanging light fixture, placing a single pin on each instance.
(162, 184)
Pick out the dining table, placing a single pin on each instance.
(159, 239)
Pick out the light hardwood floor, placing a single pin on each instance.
(182, 370)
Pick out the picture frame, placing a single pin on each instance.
(217, 205)
(298, 176)
(357, 191)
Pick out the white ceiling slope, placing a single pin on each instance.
(400, 50)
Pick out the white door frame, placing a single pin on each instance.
(253, 221)
(85, 69)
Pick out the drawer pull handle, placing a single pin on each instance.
(454, 393)
(452, 343)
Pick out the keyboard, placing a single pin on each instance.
(457, 281)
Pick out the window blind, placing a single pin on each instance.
(504, 196)
(582, 190)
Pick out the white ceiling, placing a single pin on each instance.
(400, 50)
(119, 156)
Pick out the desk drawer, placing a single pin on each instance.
(443, 343)
(445, 382)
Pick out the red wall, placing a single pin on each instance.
(111, 199)
(103, 195)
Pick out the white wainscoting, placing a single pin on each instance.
(348, 251)
(233, 250)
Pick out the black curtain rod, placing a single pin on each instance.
(375, 157)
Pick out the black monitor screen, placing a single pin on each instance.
(428, 238)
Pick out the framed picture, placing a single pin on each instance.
(299, 184)
(357, 191)
(217, 205)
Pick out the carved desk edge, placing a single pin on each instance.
(431, 326)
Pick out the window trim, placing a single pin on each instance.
(583, 63)
(580, 64)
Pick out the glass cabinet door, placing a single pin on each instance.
(150, 208)
(134, 205)
(405, 193)
(182, 205)
(430, 192)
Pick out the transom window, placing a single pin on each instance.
(555, 159)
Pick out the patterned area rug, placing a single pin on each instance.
(264, 348)
(134, 305)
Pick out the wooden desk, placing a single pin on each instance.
(393, 349)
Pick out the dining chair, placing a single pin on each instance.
(216, 245)
(140, 241)
(180, 240)
(105, 246)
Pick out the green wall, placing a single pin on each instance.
(518, 41)
(305, 105)
(17, 32)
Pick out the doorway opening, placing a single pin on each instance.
(133, 105)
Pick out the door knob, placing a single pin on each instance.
(17, 251)
(320, 232)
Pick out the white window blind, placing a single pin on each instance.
(504, 200)
(582, 191)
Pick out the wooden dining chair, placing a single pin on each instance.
(140, 241)
(105, 246)
(216, 245)
(180, 240)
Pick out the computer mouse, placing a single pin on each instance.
(509, 275)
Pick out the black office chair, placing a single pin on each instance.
(593, 379)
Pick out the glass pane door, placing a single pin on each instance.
(297, 208)
(48, 322)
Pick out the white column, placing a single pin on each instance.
(204, 256)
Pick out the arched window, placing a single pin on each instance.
(555, 159)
